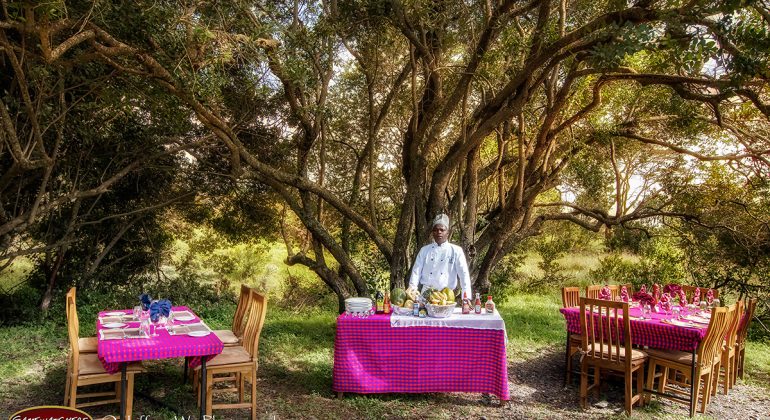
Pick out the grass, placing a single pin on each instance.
(296, 361)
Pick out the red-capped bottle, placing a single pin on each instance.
(477, 304)
(386, 303)
(490, 305)
(466, 304)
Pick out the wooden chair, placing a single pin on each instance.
(85, 344)
(727, 359)
(689, 290)
(87, 369)
(707, 358)
(592, 291)
(570, 298)
(238, 361)
(740, 342)
(606, 344)
(232, 337)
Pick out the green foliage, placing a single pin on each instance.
(660, 261)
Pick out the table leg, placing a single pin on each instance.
(567, 364)
(340, 395)
(693, 384)
(123, 386)
(203, 386)
(184, 375)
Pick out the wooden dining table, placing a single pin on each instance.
(116, 350)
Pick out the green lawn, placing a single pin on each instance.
(295, 372)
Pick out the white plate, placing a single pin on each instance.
(183, 318)
(198, 333)
(115, 313)
(113, 325)
(688, 324)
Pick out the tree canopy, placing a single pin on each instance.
(363, 119)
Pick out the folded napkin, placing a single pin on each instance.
(696, 296)
(605, 293)
(682, 298)
(644, 298)
(146, 301)
(643, 289)
(672, 289)
(656, 292)
(624, 293)
(710, 297)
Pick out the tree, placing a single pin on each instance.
(392, 111)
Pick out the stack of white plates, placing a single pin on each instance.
(358, 304)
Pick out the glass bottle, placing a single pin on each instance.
(490, 305)
(380, 299)
(477, 304)
(386, 303)
(466, 303)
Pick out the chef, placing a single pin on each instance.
(440, 263)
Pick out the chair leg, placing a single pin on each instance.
(640, 385)
(67, 385)
(254, 392)
(129, 395)
(726, 367)
(209, 392)
(629, 392)
(707, 389)
(597, 380)
(650, 378)
(73, 390)
(583, 385)
(241, 387)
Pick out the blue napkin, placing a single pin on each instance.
(146, 300)
(165, 307)
(154, 311)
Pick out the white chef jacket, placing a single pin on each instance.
(439, 266)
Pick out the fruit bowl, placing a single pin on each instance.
(401, 311)
(440, 311)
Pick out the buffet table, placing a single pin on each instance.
(401, 354)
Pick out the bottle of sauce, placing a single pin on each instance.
(477, 304)
(386, 303)
(490, 305)
(380, 299)
(466, 304)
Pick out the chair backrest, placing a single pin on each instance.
(606, 327)
(240, 311)
(711, 346)
(745, 321)
(592, 291)
(73, 329)
(689, 290)
(570, 297)
(732, 329)
(255, 319)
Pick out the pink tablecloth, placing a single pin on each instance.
(114, 352)
(651, 333)
(370, 357)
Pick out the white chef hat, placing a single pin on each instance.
(441, 219)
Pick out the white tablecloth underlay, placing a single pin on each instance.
(482, 321)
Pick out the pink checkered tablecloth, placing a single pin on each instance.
(165, 346)
(651, 333)
(372, 357)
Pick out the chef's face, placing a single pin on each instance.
(439, 234)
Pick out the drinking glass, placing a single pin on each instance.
(137, 311)
(155, 322)
(677, 313)
(646, 311)
(716, 303)
(703, 306)
(144, 327)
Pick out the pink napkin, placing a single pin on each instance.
(696, 296)
(665, 302)
(682, 298)
(710, 297)
(605, 293)
(624, 293)
(656, 292)
(643, 289)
